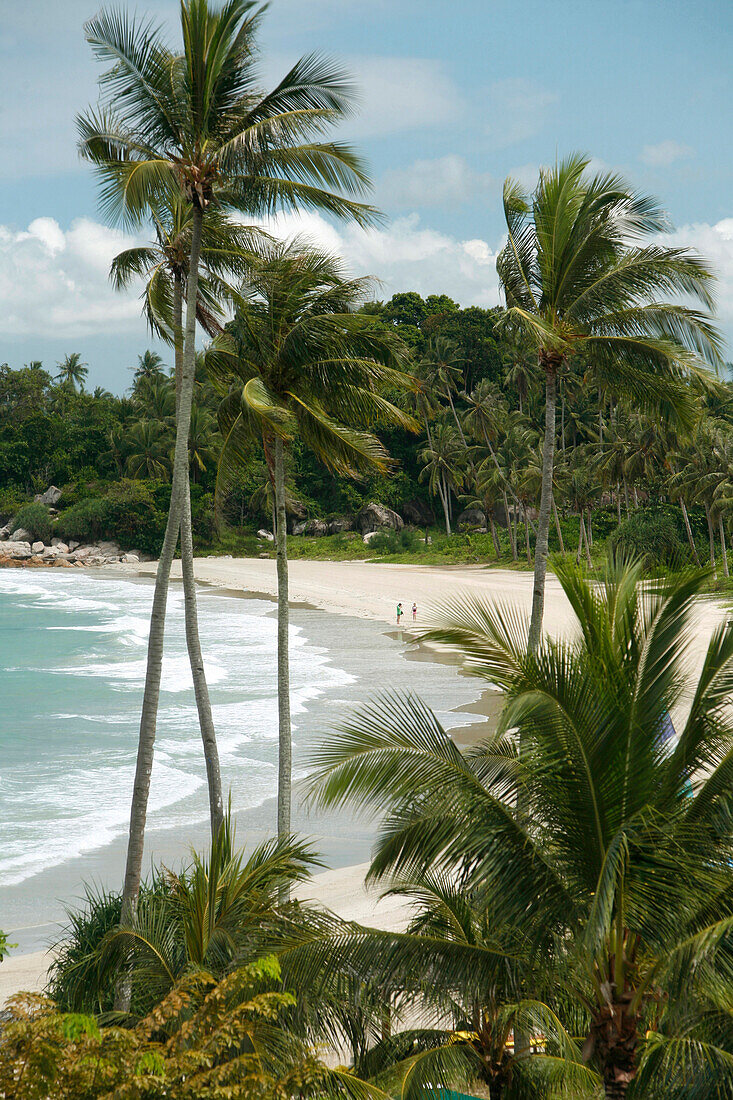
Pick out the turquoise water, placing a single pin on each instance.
(72, 663)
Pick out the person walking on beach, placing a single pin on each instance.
(414, 613)
(399, 613)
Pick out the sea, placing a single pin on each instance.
(72, 667)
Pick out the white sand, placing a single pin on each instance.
(342, 891)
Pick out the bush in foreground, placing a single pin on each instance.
(35, 519)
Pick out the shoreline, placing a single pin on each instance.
(356, 590)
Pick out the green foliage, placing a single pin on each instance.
(85, 521)
(394, 542)
(35, 519)
(136, 514)
(5, 947)
(651, 534)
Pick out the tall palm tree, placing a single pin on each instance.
(193, 121)
(444, 462)
(72, 373)
(298, 361)
(149, 364)
(620, 871)
(579, 279)
(163, 266)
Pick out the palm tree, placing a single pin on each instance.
(225, 252)
(201, 447)
(522, 373)
(443, 469)
(72, 372)
(620, 870)
(193, 122)
(149, 364)
(298, 361)
(578, 281)
(148, 444)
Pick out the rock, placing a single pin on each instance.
(471, 517)
(375, 517)
(418, 513)
(37, 547)
(5, 532)
(62, 563)
(73, 544)
(21, 535)
(130, 559)
(340, 524)
(263, 534)
(62, 547)
(369, 536)
(49, 552)
(51, 496)
(109, 548)
(79, 564)
(315, 528)
(17, 549)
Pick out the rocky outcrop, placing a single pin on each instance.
(378, 517)
(340, 524)
(314, 528)
(471, 517)
(21, 552)
(17, 549)
(263, 534)
(51, 496)
(417, 513)
(21, 535)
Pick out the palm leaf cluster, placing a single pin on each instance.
(591, 832)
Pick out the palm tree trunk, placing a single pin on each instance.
(626, 497)
(581, 537)
(558, 528)
(526, 537)
(444, 502)
(494, 536)
(618, 504)
(285, 756)
(510, 530)
(151, 694)
(711, 535)
(198, 672)
(193, 642)
(723, 551)
(543, 522)
(589, 529)
(587, 540)
(690, 539)
(455, 417)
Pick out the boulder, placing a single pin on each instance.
(315, 528)
(130, 559)
(110, 548)
(378, 517)
(37, 547)
(21, 535)
(418, 513)
(83, 552)
(5, 532)
(73, 544)
(471, 517)
(62, 563)
(369, 536)
(61, 547)
(17, 549)
(51, 496)
(341, 524)
(263, 534)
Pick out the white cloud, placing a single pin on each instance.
(406, 255)
(664, 153)
(401, 93)
(54, 283)
(444, 181)
(516, 109)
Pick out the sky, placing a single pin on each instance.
(454, 97)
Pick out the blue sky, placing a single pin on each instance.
(455, 97)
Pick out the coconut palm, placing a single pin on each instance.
(72, 373)
(579, 279)
(444, 466)
(149, 364)
(299, 361)
(193, 121)
(201, 448)
(620, 869)
(148, 444)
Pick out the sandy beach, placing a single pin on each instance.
(364, 590)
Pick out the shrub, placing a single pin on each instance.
(35, 519)
(652, 535)
(85, 521)
(394, 542)
(135, 515)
